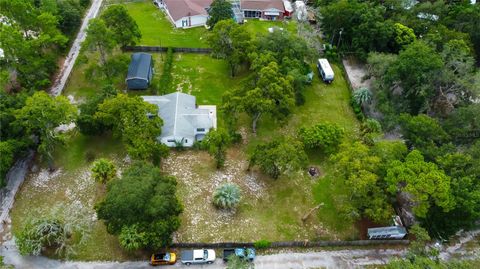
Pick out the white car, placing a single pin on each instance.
(198, 256)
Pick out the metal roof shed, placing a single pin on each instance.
(140, 71)
(392, 232)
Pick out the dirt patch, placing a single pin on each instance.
(269, 208)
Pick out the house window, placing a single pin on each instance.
(186, 140)
(252, 14)
(171, 140)
(200, 129)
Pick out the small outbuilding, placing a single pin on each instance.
(392, 232)
(140, 71)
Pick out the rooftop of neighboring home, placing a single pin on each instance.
(184, 8)
(262, 4)
(139, 66)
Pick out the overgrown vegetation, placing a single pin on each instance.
(142, 189)
(166, 78)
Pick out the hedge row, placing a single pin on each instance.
(166, 78)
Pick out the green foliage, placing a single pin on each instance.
(423, 133)
(370, 130)
(357, 109)
(166, 78)
(219, 10)
(60, 229)
(279, 157)
(31, 42)
(227, 196)
(142, 205)
(464, 169)
(128, 116)
(425, 262)
(415, 70)
(361, 172)
(424, 181)
(323, 136)
(70, 16)
(262, 244)
(9, 149)
(124, 28)
(363, 26)
(235, 262)
(229, 41)
(403, 35)
(103, 171)
(272, 94)
(362, 96)
(131, 238)
(86, 121)
(41, 115)
(216, 142)
(100, 38)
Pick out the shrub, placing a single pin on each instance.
(357, 109)
(131, 238)
(261, 244)
(227, 196)
(166, 78)
(323, 136)
(103, 170)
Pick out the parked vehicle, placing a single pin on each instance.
(168, 258)
(392, 232)
(247, 254)
(198, 256)
(325, 70)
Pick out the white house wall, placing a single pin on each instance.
(197, 20)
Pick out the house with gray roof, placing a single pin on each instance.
(140, 71)
(183, 121)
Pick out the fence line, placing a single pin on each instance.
(286, 244)
(164, 49)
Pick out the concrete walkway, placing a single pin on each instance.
(67, 67)
(15, 178)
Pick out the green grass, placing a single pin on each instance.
(202, 76)
(261, 27)
(70, 186)
(157, 30)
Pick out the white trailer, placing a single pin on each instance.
(325, 70)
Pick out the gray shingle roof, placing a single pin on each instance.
(180, 115)
(139, 65)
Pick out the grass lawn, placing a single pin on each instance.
(71, 185)
(157, 30)
(202, 76)
(255, 26)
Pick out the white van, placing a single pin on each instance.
(325, 70)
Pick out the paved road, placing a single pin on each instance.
(67, 67)
(15, 178)
(321, 259)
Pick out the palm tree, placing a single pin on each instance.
(227, 196)
(362, 96)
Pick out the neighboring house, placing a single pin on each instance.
(192, 13)
(183, 121)
(140, 71)
(263, 9)
(186, 13)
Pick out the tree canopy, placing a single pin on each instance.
(141, 207)
(124, 28)
(127, 115)
(41, 115)
(424, 181)
(279, 157)
(219, 10)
